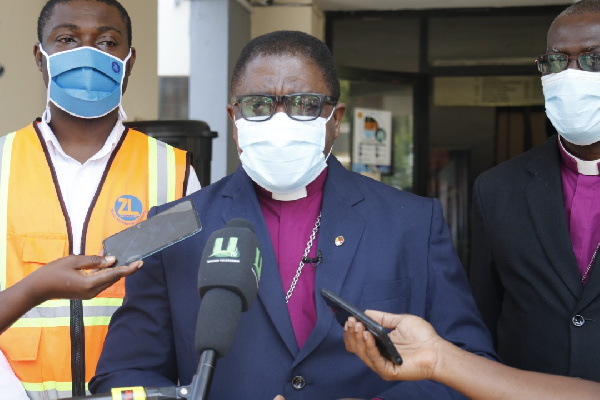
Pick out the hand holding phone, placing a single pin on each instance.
(342, 310)
(154, 234)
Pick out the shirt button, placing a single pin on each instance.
(578, 320)
(298, 382)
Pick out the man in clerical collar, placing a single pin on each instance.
(318, 225)
(534, 267)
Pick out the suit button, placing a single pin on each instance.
(578, 320)
(298, 382)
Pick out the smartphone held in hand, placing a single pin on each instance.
(342, 310)
(153, 234)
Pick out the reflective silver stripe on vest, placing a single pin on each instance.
(52, 313)
(64, 312)
(5, 155)
(2, 141)
(162, 177)
(49, 394)
(49, 390)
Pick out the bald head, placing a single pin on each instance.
(580, 8)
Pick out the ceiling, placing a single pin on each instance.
(356, 5)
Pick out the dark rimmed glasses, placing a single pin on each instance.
(298, 106)
(553, 63)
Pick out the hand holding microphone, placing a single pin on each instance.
(228, 278)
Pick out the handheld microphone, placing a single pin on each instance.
(228, 283)
(228, 279)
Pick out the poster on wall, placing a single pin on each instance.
(372, 141)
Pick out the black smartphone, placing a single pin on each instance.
(342, 310)
(153, 234)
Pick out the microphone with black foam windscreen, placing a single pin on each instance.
(228, 280)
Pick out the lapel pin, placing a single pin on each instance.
(339, 241)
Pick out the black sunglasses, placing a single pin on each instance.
(298, 106)
(553, 63)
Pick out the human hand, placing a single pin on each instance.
(77, 277)
(414, 338)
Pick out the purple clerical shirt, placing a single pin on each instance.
(581, 196)
(290, 225)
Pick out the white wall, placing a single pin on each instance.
(22, 93)
(307, 17)
(173, 38)
(141, 99)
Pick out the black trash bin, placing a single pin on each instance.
(191, 135)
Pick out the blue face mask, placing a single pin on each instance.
(572, 98)
(85, 82)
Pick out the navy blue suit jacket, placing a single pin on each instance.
(397, 257)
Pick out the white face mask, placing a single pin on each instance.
(281, 154)
(573, 105)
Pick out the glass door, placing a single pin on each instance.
(376, 138)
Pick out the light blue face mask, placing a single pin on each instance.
(85, 82)
(572, 104)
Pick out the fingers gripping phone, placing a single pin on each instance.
(153, 234)
(342, 310)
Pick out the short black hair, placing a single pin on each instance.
(48, 9)
(581, 7)
(294, 43)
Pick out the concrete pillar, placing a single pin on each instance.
(218, 31)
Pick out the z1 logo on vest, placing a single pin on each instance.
(128, 210)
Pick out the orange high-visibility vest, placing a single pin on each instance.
(35, 229)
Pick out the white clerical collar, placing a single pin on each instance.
(295, 195)
(583, 167)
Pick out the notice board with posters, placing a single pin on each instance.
(372, 141)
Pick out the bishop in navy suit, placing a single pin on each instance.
(378, 247)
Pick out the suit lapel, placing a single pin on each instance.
(339, 219)
(544, 197)
(270, 291)
(592, 288)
